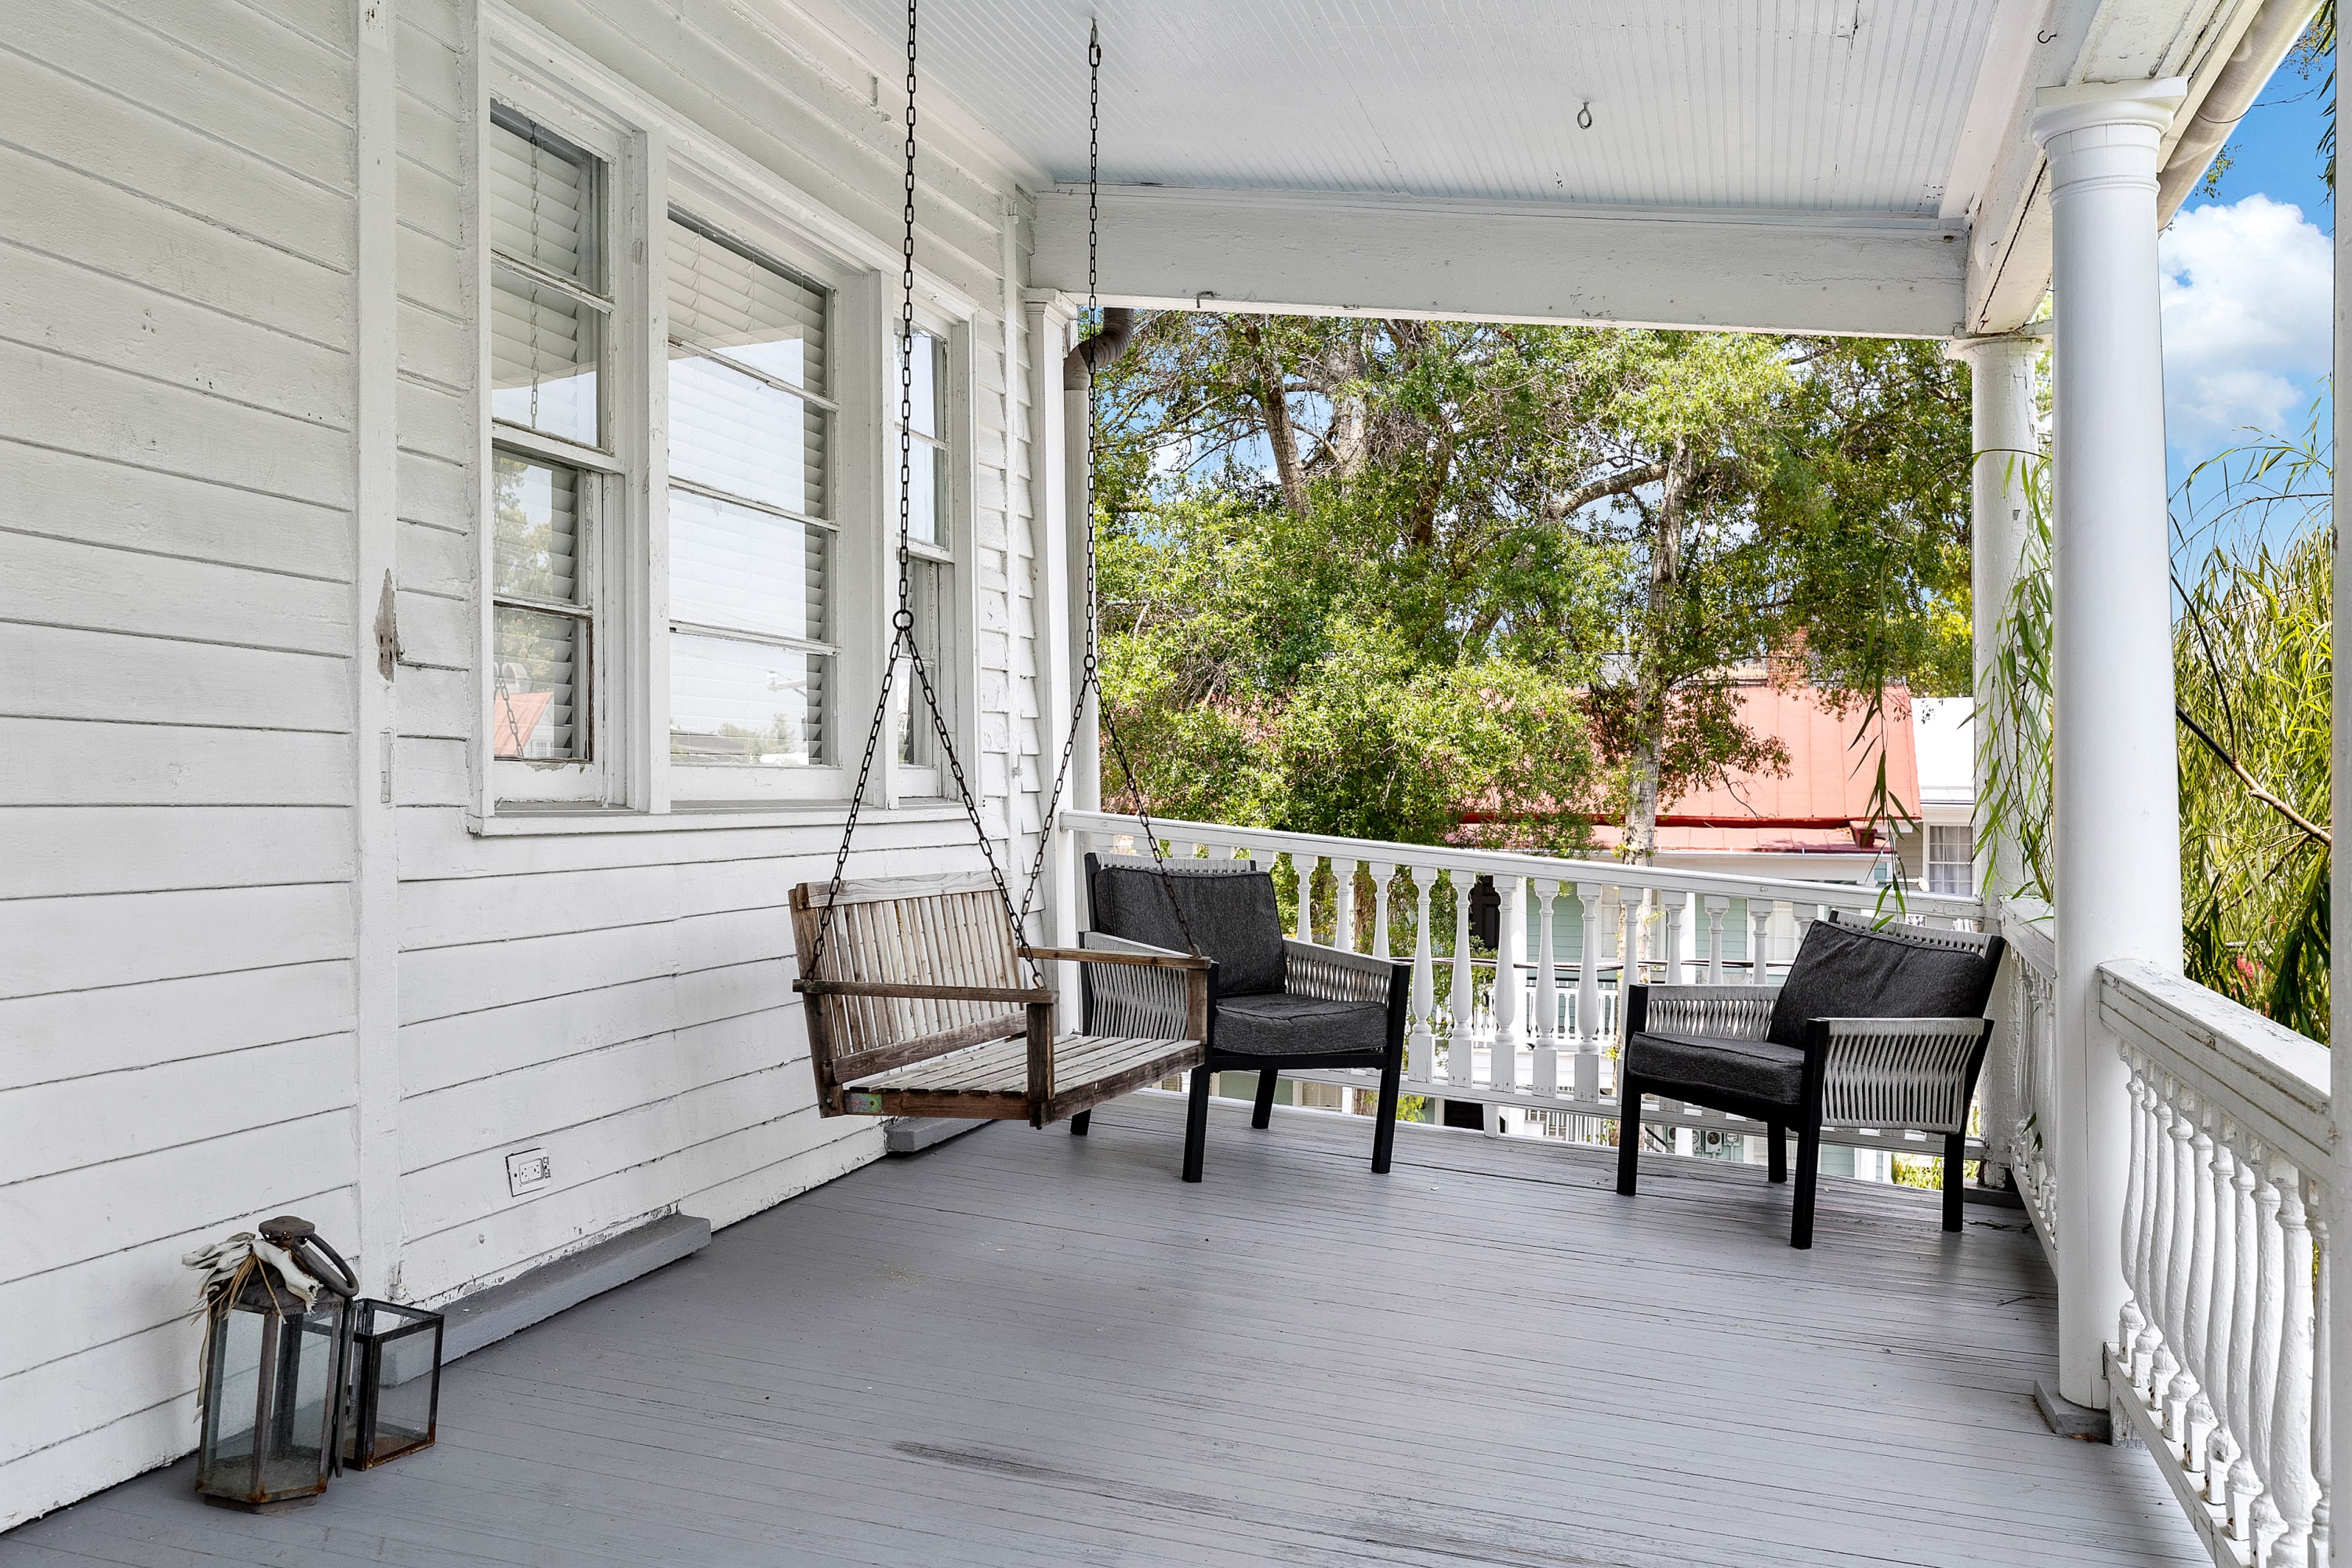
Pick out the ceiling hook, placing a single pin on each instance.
(1584, 116)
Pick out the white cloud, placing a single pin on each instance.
(2247, 293)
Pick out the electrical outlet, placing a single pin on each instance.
(527, 1169)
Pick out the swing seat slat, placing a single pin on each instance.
(925, 1007)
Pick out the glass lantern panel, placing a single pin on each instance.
(303, 1406)
(232, 1384)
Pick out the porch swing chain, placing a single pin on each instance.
(902, 623)
(1090, 669)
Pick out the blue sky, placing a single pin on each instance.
(2247, 293)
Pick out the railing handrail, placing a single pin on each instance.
(1838, 894)
(2264, 1075)
(2026, 925)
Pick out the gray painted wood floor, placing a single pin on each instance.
(1025, 1348)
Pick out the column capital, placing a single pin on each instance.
(2060, 110)
(2024, 343)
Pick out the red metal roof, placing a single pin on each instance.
(1830, 777)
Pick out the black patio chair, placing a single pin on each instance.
(1274, 1004)
(1873, 1026)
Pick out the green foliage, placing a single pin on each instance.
(1363, 576)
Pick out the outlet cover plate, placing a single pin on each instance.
(528, 1169)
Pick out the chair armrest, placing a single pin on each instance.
(1150, 993)
(1726, 1012)
(1898, 1072)
(1330, 974)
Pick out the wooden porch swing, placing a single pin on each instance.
(924, 995)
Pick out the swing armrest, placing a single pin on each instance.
(1153, 957)
(891, 988)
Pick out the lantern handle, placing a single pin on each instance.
(301, 1239)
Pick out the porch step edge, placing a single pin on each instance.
(486, 1317)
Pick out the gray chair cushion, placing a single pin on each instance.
(1280, 1026)
(1854, 971)
(1233, 914)
(1758, 1069)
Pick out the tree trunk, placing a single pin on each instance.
(1280, 434)
(1652, 677)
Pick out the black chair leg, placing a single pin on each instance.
(1955, 1150)
(1384, 1127)
(1263, 1112)
(1808, 1169)
(1080, 1122)
(1776, 1154)
(1196, 1125)
(1629, 1133)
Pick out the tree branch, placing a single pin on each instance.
(2259, 793)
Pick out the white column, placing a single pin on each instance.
(2117, 818)
(2339, 1288)
(2001, 373)
(1061, 613)
(1077, 433)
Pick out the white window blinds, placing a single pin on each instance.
(752, 546)
(548, 307)
(540, 624)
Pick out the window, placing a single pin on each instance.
(751, 538)
(549, 321)
(1951, 859)
(930, 541)
(693, 502)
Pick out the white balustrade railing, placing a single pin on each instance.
(2219, 1362)
(2021, 1073)
(1543, 1041)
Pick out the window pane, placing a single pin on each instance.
(732, 566)
(723, 300)
(535, 551)
(927, 489)
(746, 704)
(931, 385)
(738, 433)
(541, 196)
(917, 739)
(543, 357)
(535, 679)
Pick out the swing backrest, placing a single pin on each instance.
(904, 930)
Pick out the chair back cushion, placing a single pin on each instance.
(1861, 971)
(1233, 914)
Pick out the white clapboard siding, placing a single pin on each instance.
(179, 376)
(176, 402)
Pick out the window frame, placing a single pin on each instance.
(1966, 863)
(654, 161)
(922, 778)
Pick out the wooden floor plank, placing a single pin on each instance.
(1025, 1348)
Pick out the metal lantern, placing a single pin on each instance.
(277, 1311)
(395, 1384)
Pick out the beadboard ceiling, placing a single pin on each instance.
(1782, 105)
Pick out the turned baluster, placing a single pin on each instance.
(1305, 865)
(1384, 874)
(1677, 955)
(2265, 1517)
(2220, 1324)
(1759, 941)
(2183, 1387)
(2323, 1414)
(1588, 991)
(1343, 904)
(2245, 1481)
(1547, 1031)
(1717, 906)
(2293, 1489)
(1503, 1057)
(2160, 1365)
(2135, 1216)
(1421, 1044)
(1463, 999)
(2196, 1307)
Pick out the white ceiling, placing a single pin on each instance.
(1782, 105)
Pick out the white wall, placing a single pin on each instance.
(180, 782)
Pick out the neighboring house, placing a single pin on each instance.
(1940, 857)
(1815, 820)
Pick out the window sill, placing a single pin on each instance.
(512, 820)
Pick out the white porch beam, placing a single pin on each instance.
(2336, 1329)
(1349, 255)
(2118, 815)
